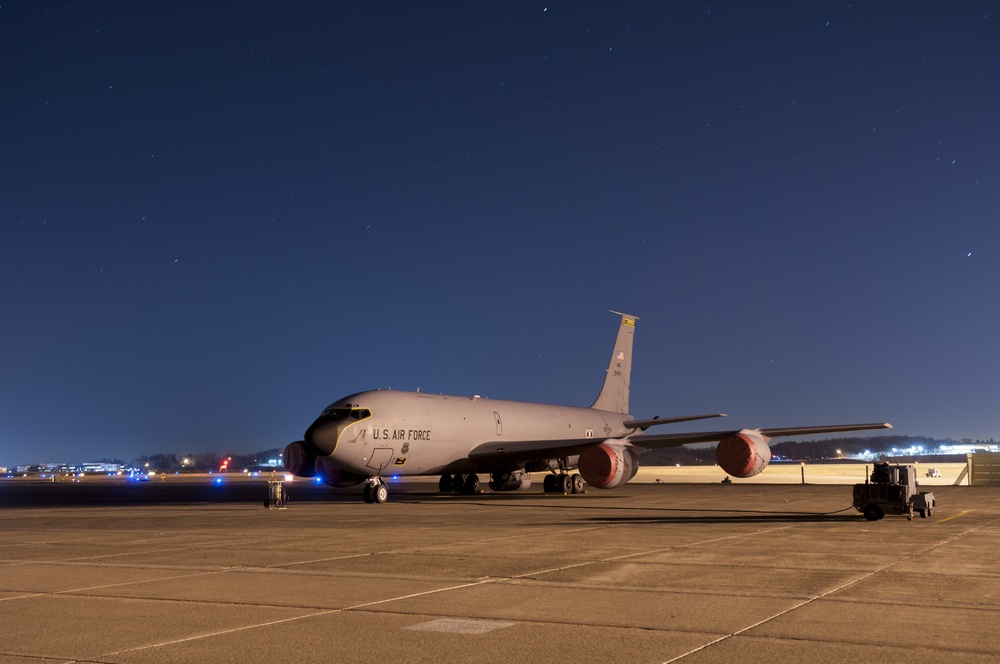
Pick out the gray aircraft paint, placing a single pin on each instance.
(440, 431)
(614, 393)
(385, 432)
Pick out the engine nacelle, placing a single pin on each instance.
(743, 454)
(510, 481)
(333, 475)
(606, 466)
(299, 460)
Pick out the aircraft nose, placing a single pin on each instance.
(322, 436)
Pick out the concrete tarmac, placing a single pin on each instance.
(646, 573)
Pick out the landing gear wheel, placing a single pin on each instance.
(873, 512)
(471, 485)
(381, 493)
(564, 484)
(445, 484)
(577, 482)
(368, 494)
(278, 503)
(548, 484)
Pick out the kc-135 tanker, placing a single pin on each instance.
(365, 437)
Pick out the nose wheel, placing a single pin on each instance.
(376, 491)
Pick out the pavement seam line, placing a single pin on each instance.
(429, 592)
(427, 548)
(831, 591)
(110, 585)
(294, 618)
(646, 553)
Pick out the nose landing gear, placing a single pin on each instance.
(376, 491)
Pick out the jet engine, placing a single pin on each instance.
(299, 460)
(743, 454)
(510, 481)
(333, 475)
(606, 466)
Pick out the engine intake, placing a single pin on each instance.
(743, 454)
(299, 460)
(606, 466)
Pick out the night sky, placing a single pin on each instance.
(217, 218)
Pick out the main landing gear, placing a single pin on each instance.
(376, 491)
(563, 483)
(458, 483)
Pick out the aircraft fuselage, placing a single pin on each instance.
(412, 433)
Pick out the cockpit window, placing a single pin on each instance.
(345, 413)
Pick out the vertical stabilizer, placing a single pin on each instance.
(614, 394)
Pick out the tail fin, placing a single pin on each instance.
(614, 394)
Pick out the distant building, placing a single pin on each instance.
(968, 448)
(101, 467)
(70, 468)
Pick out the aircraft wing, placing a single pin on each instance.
(517, 453)
(530, 450)
(678, 439)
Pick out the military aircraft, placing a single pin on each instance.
(366, 436)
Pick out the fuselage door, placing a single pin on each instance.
(496, 416)
(380, 459)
